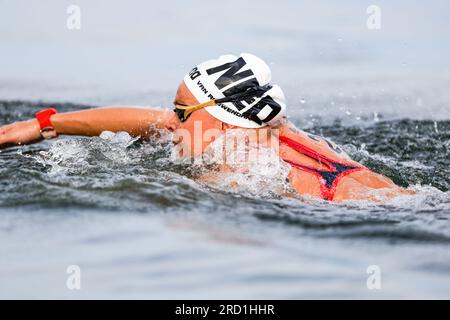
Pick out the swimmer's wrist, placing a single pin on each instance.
(44, 119)
(35, 128)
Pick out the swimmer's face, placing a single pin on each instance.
(198, 131)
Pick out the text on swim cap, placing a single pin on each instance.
(194, 73)
(259, 110)
(230, 76)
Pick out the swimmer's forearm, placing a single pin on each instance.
(137, 121)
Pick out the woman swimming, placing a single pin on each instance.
(215, 97)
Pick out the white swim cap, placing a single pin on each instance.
(228, 75)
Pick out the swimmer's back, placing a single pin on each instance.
(322, 169)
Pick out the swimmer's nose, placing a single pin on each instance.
(173, 123)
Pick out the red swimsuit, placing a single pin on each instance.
(328, 179)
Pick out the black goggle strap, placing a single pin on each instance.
(183, 112)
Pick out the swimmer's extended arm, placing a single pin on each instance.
(137, 121)
(134, 120)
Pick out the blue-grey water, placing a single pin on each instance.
(139, 226)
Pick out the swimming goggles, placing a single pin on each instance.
(183, 112)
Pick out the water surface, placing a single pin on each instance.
(140, 226)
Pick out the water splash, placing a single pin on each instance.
(82, 155)
(246, 168)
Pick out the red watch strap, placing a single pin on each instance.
(43, 117)
(46, 126)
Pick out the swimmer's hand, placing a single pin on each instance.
(23, 132)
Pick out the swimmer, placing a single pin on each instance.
(219, 95)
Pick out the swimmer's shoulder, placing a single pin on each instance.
(319, 144)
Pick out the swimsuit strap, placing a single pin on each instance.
(328, 179)
(301, 148)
